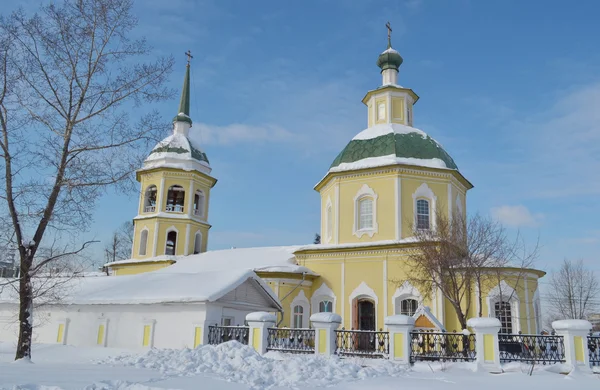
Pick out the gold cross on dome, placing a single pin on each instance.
(189, 56)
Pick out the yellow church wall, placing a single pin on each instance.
(397, 110)
(363, 270)
(383, 186)
(132, 269)
(409, 185)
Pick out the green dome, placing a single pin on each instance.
(389, 59)
(390, 144)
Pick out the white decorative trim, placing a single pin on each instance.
(449, 201)
(337, 213)
(385, 288)
(398, 195)
(425, 311)
(294, 282)
(537, 310)
(506, 291)
(459, 206)
(328, 221)
(155, 241)
(363, 291)
(321, 294)
(198, 233)
(406, 291)
(201, 205)
(144, 229)
(343, 309)
(190, 202)
(424, 192)
(172, 228)
(527, 304)
(160, 195)
(365, 192)
(186, 249)
(300, 300)
(477, 296)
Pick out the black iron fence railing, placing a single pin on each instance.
(367, 343)
(298, 340)
(594, 349)
(219, 334)
(544, 349)
(442, 346)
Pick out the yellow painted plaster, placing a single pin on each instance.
(488, 347)
(399, 345)
(398, 110)
(138, 268)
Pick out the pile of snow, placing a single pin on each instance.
(235, 362)
(387, 128)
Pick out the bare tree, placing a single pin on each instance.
(119, 247)
(574, 291)
(69, 75)
(459, 257)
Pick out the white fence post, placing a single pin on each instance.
(400, 326)
(258, 335)
(486, 343)
(574, 334)
(325, 325)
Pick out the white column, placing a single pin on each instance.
(325, 325)
(190, 202)
(575, 334)
(258, 335)
(399, 326)
(486, 343)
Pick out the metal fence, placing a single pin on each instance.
(291, 340)
(219, 334)
(367, 343)
(442, 346)
(594, 349)
(544, 349)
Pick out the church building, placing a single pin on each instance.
(390, 178)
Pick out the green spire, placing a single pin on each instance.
(183, 115)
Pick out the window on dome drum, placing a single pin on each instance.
(143, 242)
(150, 199)
(409, 307)
(329, 223)
(298, 313)
(365, 213)
(175, 199)
(325, 307)
(199, 203)
(422, 214)
(171, 243)
(503, 312)
(198, 243)
(380, 111)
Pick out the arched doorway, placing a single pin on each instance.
(364, 319)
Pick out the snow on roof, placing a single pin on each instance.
(387, 128)
(390, 50)
(262, 259)
(152, 287)
(265, 259)
(391, 159)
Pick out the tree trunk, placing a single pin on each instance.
(25, 310)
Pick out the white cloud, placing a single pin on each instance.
(516, 216)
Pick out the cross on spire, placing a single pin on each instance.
(189, 57)
(389, 28)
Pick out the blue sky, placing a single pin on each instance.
(511, 89)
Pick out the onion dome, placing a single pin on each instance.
(391, 144)
(390, 58)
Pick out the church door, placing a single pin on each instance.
(366, 321)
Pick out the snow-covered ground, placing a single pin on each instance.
(232, 366)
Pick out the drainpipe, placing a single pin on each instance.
(287, 295)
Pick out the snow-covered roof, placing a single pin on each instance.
(177, 151)
(152, 287)
(263, 259)
(390, 144)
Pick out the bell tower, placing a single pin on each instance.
(174, 200)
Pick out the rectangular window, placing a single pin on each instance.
(366, 214)
(422, 214)
(503, 312)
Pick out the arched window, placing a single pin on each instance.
(325, 307)
(503, 312)
(409, 307)
(150, 199)
(143, 242)
(329, 223)
(298, 313)
(422, 214)
(198, 243)
(175, 199)
(171, 243)
(365, 213)
(199, 203)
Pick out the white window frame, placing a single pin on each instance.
(424, 192)
(169, 230)
(198, 233)
(363, 291)
(365, 192)
(300, 300)
(145, 229)
(417, 213)
(323, 293)
(201, 205)
(508, 295)
(406, 291)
